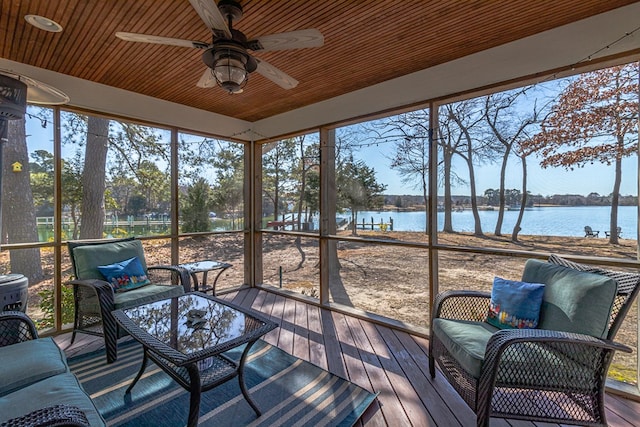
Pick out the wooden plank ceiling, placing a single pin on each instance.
(366, 42)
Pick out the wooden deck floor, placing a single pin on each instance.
(390, 362)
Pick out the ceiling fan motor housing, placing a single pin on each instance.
(13, 98)
(230, 9)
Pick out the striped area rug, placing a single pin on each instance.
(289, 391)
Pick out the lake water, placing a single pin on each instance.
(549, 221)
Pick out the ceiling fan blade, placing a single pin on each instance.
(207, 79)
(277, 76)
(291, 40)
(210, 14)
(146, 38)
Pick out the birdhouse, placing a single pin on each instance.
(17, 166)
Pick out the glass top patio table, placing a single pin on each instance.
(186, 336)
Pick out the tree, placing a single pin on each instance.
(593, 120)
(196, 207)
(93, 178)
(410, 158)
(508, 128)
(312, 190)
(464, 117)
(154, 185)
(277, 166)
(126, 146)
(19, 223)
(42, 181)
(72, 189)
(450, 142)
(358, 189)
(136, 204)
(308, 160)
(228, 190)
(493, 196)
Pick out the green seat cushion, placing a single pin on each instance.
(146, 294)
(28, 362)
(87, 258)
(135, 297)
(62, 388)
(465, 340)
(573, 301)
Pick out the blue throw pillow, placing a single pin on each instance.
(125, 275)
(515, 304)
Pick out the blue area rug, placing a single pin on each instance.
(289, 391)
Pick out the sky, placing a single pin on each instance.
(592, 178)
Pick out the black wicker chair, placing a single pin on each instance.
(16, 327)
(95, 299)
(533, 374)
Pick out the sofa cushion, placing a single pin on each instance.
(514, 304)
(125, 275)
(62, 388)
(573, 301)
(28, 362)
(87, 258)
(465, 340)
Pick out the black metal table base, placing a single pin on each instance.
(192, 382)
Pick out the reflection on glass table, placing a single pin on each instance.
(187, 337)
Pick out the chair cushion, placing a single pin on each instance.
(573, 301)
(465, 340)
(62, 388)
(29, 362)
(515, 304)
(627, 282)
(87, 258)
(125, 275)
(146, 294)
(135, 297)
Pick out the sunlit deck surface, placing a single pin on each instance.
(380, 359)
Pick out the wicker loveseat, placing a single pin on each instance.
(554, 373)
(37, 388)
(95, 298)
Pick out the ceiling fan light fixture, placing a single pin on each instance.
(43, 23)
(230, 71)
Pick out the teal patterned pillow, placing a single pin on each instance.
(514, 304)
(125, 275)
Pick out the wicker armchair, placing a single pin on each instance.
(17, 327)
(95, 299)
(51, 416)
(531, 374)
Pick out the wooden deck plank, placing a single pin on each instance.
(285, 341)
(352, 360)
(390, 400)
(276, 316)
(267, 307)
(376, 374)
(317, 352)
(375, 357)
(301, 332)
(335, 362)
(622, 412)
(415, 363)
(409, 396)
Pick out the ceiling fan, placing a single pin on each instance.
(226, 57)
